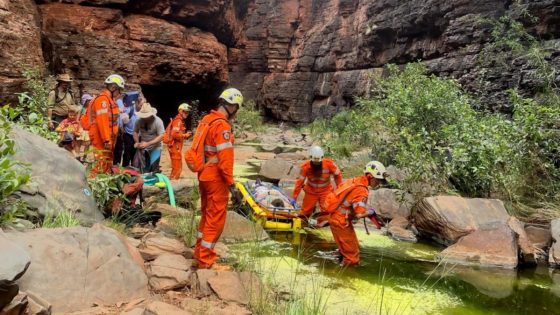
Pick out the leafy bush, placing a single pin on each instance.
(13, 174)
(106, 187)
(31, 112)
(427, 126)
(247, 119)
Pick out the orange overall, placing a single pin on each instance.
(214, 182)
(316, 185)
(175, 147)
(104, 117)
(353, 195)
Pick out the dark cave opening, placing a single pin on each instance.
(167, 96)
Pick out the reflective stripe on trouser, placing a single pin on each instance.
(310, 201)
(347, 242)
(214, 208)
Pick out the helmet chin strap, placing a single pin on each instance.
(230, 114)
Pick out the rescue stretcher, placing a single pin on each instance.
(279, 216)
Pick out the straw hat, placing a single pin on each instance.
(64, 77)
(146, 111)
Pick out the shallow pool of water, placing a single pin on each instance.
(400, 278)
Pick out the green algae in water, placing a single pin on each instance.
(391, 281)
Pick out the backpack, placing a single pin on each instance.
(195, 154)
(167, 138)
(86, 119)
(333, 201)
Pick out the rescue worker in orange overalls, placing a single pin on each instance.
(104, 117)
(351, 203)
(177, 135)
(315, 179)
(216, 179)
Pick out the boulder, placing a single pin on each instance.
(389, 203)
(73, 268)
(135, 311)
(154, 245)
(554, 252)
(58, 179)
(540, 237)
(169, 271)
(240, 229)
(8, 290)
(526, 249)
(160, 308)
(484, 248)
(15, 259)
(37, 305)
(290, 156)
(277, 169)
(398, 230)
(17, 306)
(200, 286)
(447, 218)
(228, 287)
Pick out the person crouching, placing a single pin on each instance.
(349, 202)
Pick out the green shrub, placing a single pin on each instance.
(13, 174)
(427, 126)
(31, 112)
(63, 218)
(106, 187)
(247, 119)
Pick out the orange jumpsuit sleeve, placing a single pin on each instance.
(223, 138)
(176, 130)
(101, 107)
(336, 173)
(358, 199)
(301, 179)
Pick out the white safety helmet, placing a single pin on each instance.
(316, 153)
(376, 169)
(232, 96)
(115, 79)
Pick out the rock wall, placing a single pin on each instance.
(93, 42)
(20, 44)
(299, 59)
(306, 58)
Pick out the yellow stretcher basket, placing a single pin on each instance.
(270, 218)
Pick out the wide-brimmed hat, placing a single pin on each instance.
(64, 77)
(146, 111)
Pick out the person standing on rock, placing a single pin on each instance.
(216, 177)
(315, 179)
(104, 117)
(148, 135)
(175, 135)
(60, 99)
(349, 202)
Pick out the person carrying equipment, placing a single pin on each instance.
(103, 117)
(174, 137)
(315, 179)
(211, 156)
(348, 202)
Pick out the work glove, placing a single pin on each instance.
(232, 189)
(294, 203)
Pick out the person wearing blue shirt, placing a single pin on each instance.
(124, 149)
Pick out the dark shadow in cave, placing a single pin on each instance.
(167, 96)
